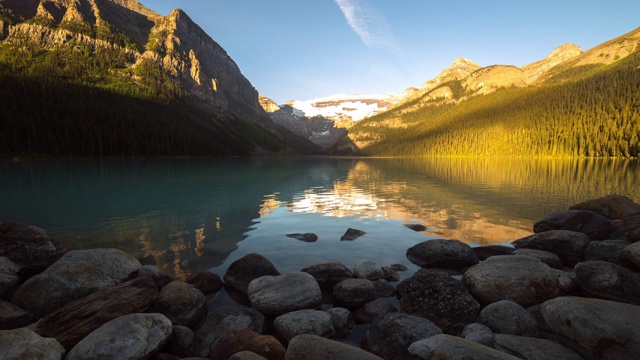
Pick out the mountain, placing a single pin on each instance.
(342, 107)
(570, 104)
(80, 53)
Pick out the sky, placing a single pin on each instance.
(305, 49)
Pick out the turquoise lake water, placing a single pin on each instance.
(186, 215)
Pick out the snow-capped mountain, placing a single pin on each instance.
(341, 106)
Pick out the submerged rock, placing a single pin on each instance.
(352, 234)
(246, 269)
(306, 237)
(416, 227)
(367, 269)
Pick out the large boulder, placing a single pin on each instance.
(438, 297)
(223, 321)
(329, 274)
(441, 253)
(632, 252)
(522, 279)
(367, 269)
(445, 346)
(23, 343)
(596, 329)
(28, 245)
(246, 269)
(313, 347)
(77, 319)
(546, 257)
(389, 336)
(610, 206)
(597, 227)
(9, 278)
(246, 340)
(353, 293)
(507, 317)
(277, 295)
(568, 245)
(528, 348)
(77, 274)
(182, 303)
(133, 336)
(206, 281)
(313, 322)
(608, 281)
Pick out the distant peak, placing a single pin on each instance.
(464, 62)
(565, 50)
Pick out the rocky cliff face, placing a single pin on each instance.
(318, 129)
(538, 69)
(268, 105)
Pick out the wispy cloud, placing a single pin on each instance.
(370, 25)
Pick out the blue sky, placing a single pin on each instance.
(304, 49)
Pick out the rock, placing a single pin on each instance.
(206, 281)
(77, 319)
(475, 328)
(28, 245)
(306, 237)
(611, 251)
(313, 322)
(631, 225)
(12, 317)
(529, 348)
(389, 336)
(390, 274)
(312, 347)
(222, 322)
(247, 340)
(441, 253)
(632, 252)
(383, 288)
(367, 269)
(246, 355)
(160, 278)
(133, 336)
(182, 303)
(329, 274)
(597, 227)
(277, 295)
(9, 278)
(353, 293)
(568, 245)
(507, 317)
(244, 270)
(485, 252)
(608, 281)
(452, 347)
(397, 267)
(343, 321)
(352, 234)
(546, 257)
(611, 206)
(567, 281)
(180, 342)
(522, 279)
(596, 329)
(23, 343)
(372, 310)
(436, 296)
(416, 227)
(77, 274)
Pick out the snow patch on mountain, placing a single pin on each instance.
(357, 107)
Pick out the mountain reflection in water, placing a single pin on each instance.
(187, 215)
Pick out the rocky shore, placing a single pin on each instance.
(571, 290)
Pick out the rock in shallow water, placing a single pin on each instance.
(312, 322)
(206, 281)
(28, 245)
(343, 321)
(596, 227)
(441, 253)
(352, 234)
(182, 303)
(246, 269)
(306, 237)
(353, 293)
(277, 295)
(367, 269)
(223, 321)
(329, 274)
(611, 206)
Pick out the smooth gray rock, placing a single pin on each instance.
(367, 269)
(568, 245)
(528, 348)
(182, 303)
(390, 274)
(389, 336)
(383, 288)
(546, 257)
(438, 297)
(247, 355)
(313, 322)
(206, 281)
(632, 252)
(507, 317)
(329, 274)
(222, 322)
(76, 274)
(13, 317)
(596, 329)
(23, 343)
(611, 251)
(343, 321)
(246, 269)
(610, 206)
(133, 336)
(28, 245)
(312, 347)
(9, 278)
(353, 293)
(277, 295)
(452, 347)
(597, 227)
(608, 281)
(567, 281)
(373, 309)
(522, 279)
(475, 328)
(441, 253)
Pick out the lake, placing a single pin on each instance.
(186, 215)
